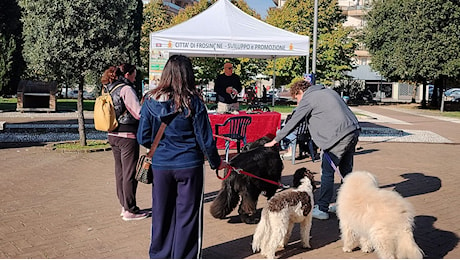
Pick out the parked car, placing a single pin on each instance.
(73, 93)
(210, 96)
(453, 94)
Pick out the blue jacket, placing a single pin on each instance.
(186, 140)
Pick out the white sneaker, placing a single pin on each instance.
(286, 156)
(318, 214)
(332, 208)
(128, 216)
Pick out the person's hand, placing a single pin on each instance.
(229, 90)
(223, 165)
(271, 143)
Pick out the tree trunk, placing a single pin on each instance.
(414, 93)
(81, 117)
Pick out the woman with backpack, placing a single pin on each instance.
(120, 84)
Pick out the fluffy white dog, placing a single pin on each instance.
(283, 211)
(380, 220)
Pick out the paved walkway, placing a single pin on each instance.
(63, 205)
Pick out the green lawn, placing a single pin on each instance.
(9, 104)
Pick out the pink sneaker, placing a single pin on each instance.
(122, 211)
(128, 216)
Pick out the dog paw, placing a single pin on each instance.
(306, 245)
(251, 221)
(347, 250)
(366, 250)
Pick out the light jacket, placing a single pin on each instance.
(186, 140)
(329, 119)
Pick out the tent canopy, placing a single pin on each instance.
(223, 30)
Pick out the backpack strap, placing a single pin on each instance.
(117, 86)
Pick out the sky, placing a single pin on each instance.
(261, 6)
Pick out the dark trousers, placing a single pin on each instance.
(341, 154)
(177, 213)
(126, 153)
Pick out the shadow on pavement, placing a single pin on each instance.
(8, 145)
(416, 184)
(323, 232)
(434, 242)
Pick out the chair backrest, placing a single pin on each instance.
(302, 128)
(238, 125)
(258, 108)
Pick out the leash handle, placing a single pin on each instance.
(328, 158)
(226, 176)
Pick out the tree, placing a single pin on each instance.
(11, 62)
(414, 40)
(156, 17)
(66, 40)
(335, 47)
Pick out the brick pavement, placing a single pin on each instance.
(63, 205)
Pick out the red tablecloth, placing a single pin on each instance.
(261, 125)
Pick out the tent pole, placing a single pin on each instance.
(273, 83)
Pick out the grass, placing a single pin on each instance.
(9, 104)
(91, 145)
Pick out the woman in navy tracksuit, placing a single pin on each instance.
(177, 164)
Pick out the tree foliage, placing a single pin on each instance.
(414, 40)
(66, 40)
(335, 47)
(11, 62)
(156, 17)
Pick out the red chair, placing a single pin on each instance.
(237, 127)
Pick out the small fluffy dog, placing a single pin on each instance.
(283, 211)
(380, 220)
(264, 162)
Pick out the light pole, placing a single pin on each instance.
(315, 36)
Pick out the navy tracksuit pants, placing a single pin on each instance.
(177, 213)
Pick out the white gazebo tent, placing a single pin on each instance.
(223, 30)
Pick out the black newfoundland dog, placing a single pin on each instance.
(255, 159)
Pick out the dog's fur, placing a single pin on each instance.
(283, 211)
(258, 160)
(375, 219)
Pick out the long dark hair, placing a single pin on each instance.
(177, 82)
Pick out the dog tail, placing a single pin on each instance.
(407, 248)
(261, 231)
(225, 201)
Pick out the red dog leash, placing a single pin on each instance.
(240, 171)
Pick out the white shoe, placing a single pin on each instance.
(318, 214)
(286, 156)
(332, 208)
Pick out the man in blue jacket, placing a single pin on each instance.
(334, 129)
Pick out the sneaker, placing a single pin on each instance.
(128, 216)
(286, 156)
(332, 208)
(122, 211)
(318, 214)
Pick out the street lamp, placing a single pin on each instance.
(315, 36)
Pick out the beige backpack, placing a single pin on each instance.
(105, 118)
